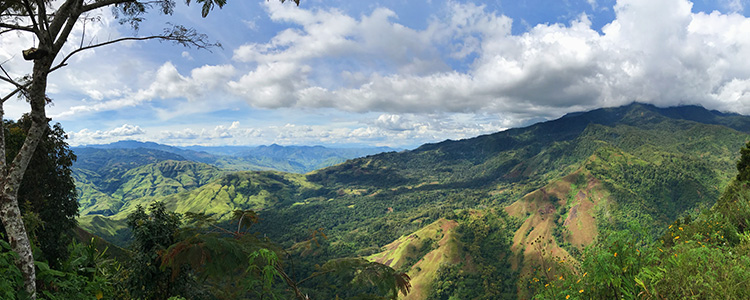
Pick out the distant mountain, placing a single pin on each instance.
(553, 187)
(295, 159)
(119, 159)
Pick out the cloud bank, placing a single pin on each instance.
(656, 52)
(464, 73)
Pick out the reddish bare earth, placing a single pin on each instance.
(535, 239)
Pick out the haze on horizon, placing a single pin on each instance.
(393, 73)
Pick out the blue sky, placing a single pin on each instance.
(394, 73)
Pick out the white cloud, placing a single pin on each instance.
(592, 3)
(86, 136)
(463, 73)
(734, 5)
(186, 55)
(251, 24)
(657, 52)
(167, 83)
(190, 136)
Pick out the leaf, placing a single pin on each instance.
(206, 8)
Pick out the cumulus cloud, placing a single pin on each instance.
(188, 136)
(167, 83)
(463, 73)
(377, 131)
(657, 52)
(86, 136)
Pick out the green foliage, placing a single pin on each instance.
(701, 256)
(107, 194)
(743, 165)
(350, 273)
(47, 195)
(608, 269)
(615, 261)
(663, 189)
(153, 233)
(486, 238)
(263, 272)
(694, 271)
(705, 257)
(85, 274)
(11, 281)
(218, 256)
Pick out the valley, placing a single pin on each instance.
(468, 219)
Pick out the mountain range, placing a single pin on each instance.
(547, 189)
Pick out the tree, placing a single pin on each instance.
(153, 233)
(51, 27)
(47, 193)
(235, 259)
(743, 165)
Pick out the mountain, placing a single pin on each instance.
(565, 181)
(544, 190)
(295, 159)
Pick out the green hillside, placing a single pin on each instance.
(149, 181)
(193, 187)
(561, 183)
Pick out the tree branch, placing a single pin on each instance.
(61, 15)
(30, 10)
(43, 19)
(8, 78)
(16, 27)
(295, 288)
(185, 40)
(62, 37)
(100, 4)
(18, 89)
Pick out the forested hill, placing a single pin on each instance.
(560, 183)
(547, 150)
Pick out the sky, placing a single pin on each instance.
(386, 72)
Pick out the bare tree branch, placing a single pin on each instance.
(18, 89)
(11, 81)
(100, 4)
(180, 35)
(62, 14)
(43, 19)
(16, 27)
(62, 36)
(30, 10)
(9, 78)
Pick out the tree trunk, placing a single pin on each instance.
(10, 212)
(19, 240)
